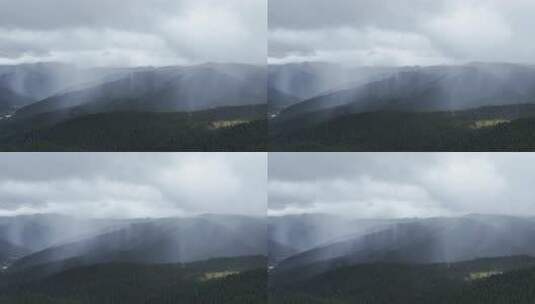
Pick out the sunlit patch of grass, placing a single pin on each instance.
(489, 123)
(217, 275)
(221, 124)
(482, 275)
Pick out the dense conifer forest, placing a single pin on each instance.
(495, 281)
(231, 280)
(226, 129)
(504, 128)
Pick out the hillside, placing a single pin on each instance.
(499, 128)
(206, 107)
(163, 241)
(172, 89)
(498, 281)
(435, 88)
(10, 101)
(307, 231)
(311, 79)
(224, 129)
(9, 253)
(436, 240)
(209, 258)
(236, 281)
(472, 107)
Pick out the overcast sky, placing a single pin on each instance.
(127, 185)
(401, 32)
(397, 185)
(133, 32)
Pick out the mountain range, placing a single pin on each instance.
(52, 238)
(440, 260)
(423, 92)
(434, 240)
(38, 97)
(60, 259)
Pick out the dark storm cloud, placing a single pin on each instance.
(113, 32)
(401, 184)
(132, 185)
(401, 32)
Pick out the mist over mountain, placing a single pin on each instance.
(41, 80)
(181, 89)
(434, 88)
(11, 101)
(300, 233)
(434, 240)
(171, 256)
(136, 228)
(49, 238)
(444, 260)
(24, 235)
(38, 99)
(307, 80)
(402, 228)
(37, 232)
(161, 241)
(471, 107)
(9, 253)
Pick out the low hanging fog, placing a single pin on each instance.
(146, 208)
(401, 33)
(363, 56)
(102, 57)
(401, 207)
(108, 33)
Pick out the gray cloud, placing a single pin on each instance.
(133, 185)
(387, 185)
(401, 32)
(110, 32)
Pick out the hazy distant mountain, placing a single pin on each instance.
(307, 231)
(431, 89)
(9, 253)
(278, 252)
(278, 100)
(469, 259)
(164, 90)
(36, 81)
(37, 232)
(171, 240)
(430, 241)
(213, 106)
(41, 80)
(310, 79)
(10, 101)
(199, 259)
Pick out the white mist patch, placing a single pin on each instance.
(472, 28)
(108, 33)
(133, 185)
(365, 47)
(383, 185)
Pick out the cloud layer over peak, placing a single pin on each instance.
(396, 185)
(401, 32)
(133, 185)
(133, 33)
